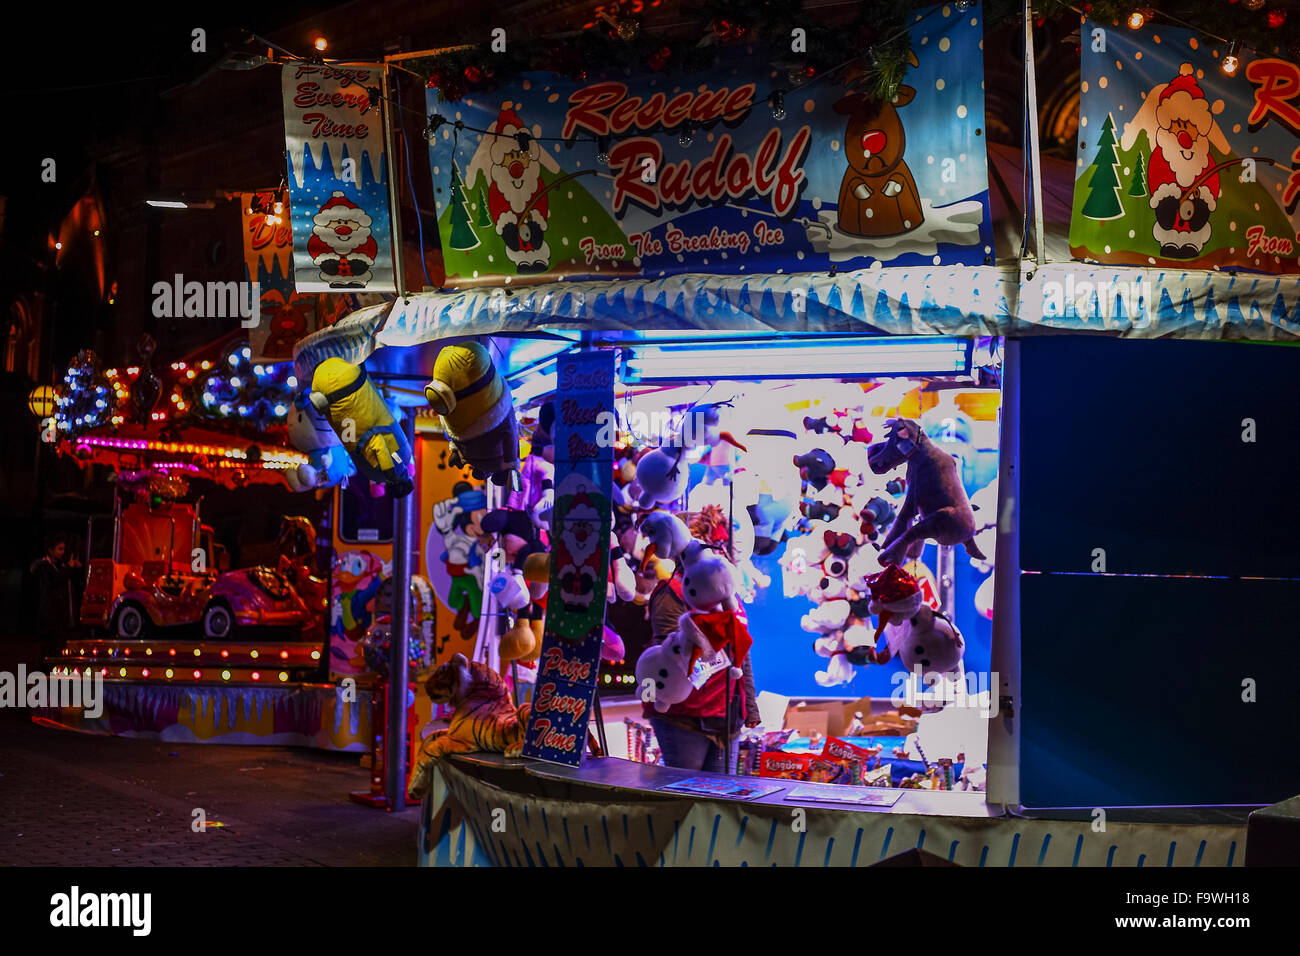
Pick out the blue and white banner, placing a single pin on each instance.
(338, 190)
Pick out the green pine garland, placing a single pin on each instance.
(870, 49)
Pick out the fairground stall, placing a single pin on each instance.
(809, 354)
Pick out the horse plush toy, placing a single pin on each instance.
(934, 493)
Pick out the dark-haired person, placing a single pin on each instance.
(53, 573)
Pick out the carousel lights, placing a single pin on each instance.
(281, 458)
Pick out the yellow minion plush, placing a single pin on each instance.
(477, 412)
(344, 394)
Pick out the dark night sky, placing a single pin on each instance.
(81, 73)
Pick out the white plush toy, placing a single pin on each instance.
(662, 474)
(827, 617)
(663, 672)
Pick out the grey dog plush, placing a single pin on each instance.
(934, 491)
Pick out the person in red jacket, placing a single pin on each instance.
(692, 735)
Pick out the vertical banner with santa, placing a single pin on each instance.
(581, 522)
(286, 314)
(1183, 164)
(338, 190)
(724, 171)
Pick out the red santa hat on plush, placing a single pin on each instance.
(895, 594)
(337, 207)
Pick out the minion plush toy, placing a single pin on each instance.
(477, 411)
(344, 394)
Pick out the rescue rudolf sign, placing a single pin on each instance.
(647, 174)
(573, 635)
(1181, 165)
(338, 195)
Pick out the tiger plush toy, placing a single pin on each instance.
(485, 718)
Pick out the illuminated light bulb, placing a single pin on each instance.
(321, 44)
(198, 674)
(58, 245)
(197, 652)
(1136, 19)
(172, 651)
(315, 655)
(144, 672)
(284, 676)
(205, 365)
(1230, 63)
(284, 655)
(279, 207)
(225, 675)
(246, 352)
(225, 653)
(281, 410)
(256, 676)
(292, 381)
(121, 672)
(127, 651)
(253, 654)
(170, 673)
(148, 652)
(259, 370)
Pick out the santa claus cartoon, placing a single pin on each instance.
(516, 200)
(341, 245)
(1180, 124)
(575, 554)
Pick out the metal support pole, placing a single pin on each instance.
(947, 574)
(394, 197)
(1004, 691)
(1031, 115)
(398, 678)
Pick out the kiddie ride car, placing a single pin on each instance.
(141, 593)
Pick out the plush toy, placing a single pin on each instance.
(484, 717)
(611, 646)
(517, 642)
(477, 411)
(934, 494)
(662, 475)
(815, 467)
(931, 642)
(666, 536)
(327, 461)
(667, 668)
(984, 505)
(709, 590)
(622, 578)
(701, 425)
(366, 426)
(827, 617)
(507, 584)
(895, 594)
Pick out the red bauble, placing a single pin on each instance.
(1276, 18)
(809, 72)
(722, 27)
(473, 74)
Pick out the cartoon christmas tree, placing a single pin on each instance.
(1103, 189)
(484, 219)
(462, 231)
(1138, 187)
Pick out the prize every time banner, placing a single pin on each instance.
(1181, 165)
(651, 175)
